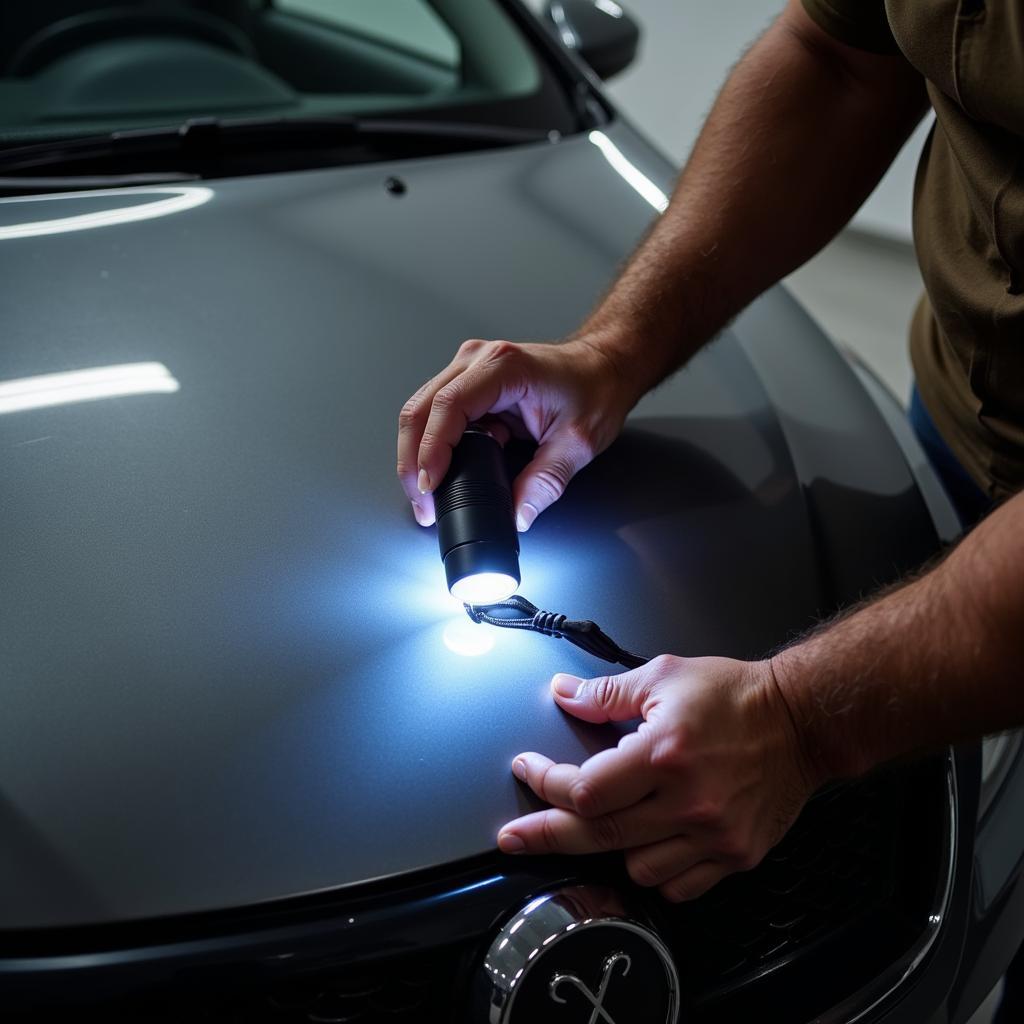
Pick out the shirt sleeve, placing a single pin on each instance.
(862, 24)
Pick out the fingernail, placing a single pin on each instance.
(566, 685)
(525, 517)
(423, 482)
(423, 517)
(509, 842)
(519, 769)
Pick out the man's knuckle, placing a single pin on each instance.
(677, 890)
(445, 398)
(738, 852)
(642, 871)
(663, 665)
(585, 798)
(607, 832)
(561, 469)
(603, 691)
(747, 860)
(549, 834)
(705, 812)
(732, 848)
(410, 414)
(542, 782)
(670, 752)
(581, 439)
(503, 351)
(471, 346)
(550, 484)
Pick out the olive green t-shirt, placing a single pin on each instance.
(967, 335)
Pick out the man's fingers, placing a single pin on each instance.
(550, 781)
(613, 779)
(546, 477)
(657, 863)
(411, 422)
(693, 882)
(607, 698)
(489, 385)
(560, 831)
(609, 781)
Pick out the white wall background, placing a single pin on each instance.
(687, 49)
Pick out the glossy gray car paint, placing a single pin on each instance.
(223, 637)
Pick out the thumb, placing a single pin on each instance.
(542, 482)
(605, 698)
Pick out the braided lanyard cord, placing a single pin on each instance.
(518, 613)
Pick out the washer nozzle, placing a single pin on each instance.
(476, 529)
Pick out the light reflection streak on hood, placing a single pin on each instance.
(50, 389)
(629, 173)
(174, 199)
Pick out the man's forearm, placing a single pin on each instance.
(933, 662)
(801, 132)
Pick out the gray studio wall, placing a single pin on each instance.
(687, 50)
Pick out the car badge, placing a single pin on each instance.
(577, 956)
(596, 999)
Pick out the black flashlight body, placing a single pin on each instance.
(476, 528)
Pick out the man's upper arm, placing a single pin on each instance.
(853, 37)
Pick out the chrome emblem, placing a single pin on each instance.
(577, 955)
(595, 1000)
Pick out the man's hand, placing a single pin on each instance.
(707, 785)
(569, 398)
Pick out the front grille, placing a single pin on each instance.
(384, 992)
(398, 991)
(845, 894)
(836, 866)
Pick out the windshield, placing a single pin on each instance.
(79, 68)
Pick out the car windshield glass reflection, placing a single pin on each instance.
(106, 69)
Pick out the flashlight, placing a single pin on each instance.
(476, 529)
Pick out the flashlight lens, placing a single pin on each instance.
(484, 588)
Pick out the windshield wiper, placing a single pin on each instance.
(29, 184)
(215, 137)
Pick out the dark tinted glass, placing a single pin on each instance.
(74, 67)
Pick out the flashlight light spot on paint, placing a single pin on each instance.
(484, 588)
(467, 638)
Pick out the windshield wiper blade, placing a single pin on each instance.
(30, 184)
(198, 135)
(498, 134)
(212, 136)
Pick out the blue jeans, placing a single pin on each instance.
(969, 500)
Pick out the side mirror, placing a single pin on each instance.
(600, 31)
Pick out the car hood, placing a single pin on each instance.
(231, 671)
